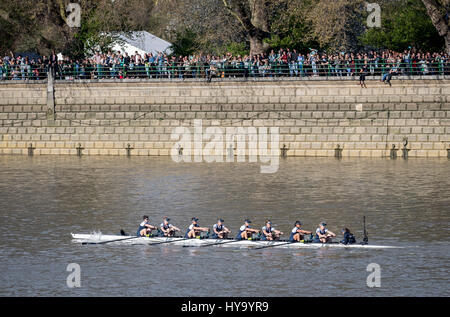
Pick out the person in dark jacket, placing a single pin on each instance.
(53, 63)
(362, 77)
(349, 238)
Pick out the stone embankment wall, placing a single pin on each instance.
(313, 117)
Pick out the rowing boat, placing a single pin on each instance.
(98, 237)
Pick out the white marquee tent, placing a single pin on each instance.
(142, 42)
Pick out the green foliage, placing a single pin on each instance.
(31, 25)
(7, 38)
(293, 40)
(39, 26)
(291, 31)
(101, 26)
(89, 38)
(186, 43)
(15, 21)
(237, 48)
(404, 23)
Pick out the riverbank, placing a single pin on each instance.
(314, 117)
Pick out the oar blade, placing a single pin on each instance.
(273, 245)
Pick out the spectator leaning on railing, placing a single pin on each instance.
(276, 63)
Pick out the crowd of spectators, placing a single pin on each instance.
(276, 63)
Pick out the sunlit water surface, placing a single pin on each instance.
(44, 199)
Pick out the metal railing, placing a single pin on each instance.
(77, 71)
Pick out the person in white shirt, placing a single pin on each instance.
(145, 228)
(220, 231)
(270, 233)
(323, 235)
(297, 233)
(167, 228)
(245, 232)
(194, 229)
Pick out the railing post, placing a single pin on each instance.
(31, 149)
(393, 154)
(405, 150)
(284, 150)
(79, 150)
(338, 151)
(128, 149)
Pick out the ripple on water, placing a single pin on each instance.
(43, 199)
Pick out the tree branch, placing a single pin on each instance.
(434, 11)
(62, 10)
(236, 15)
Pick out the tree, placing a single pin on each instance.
(337, 24)
(438, 11)
(290, 28)
(404, 23)
(185, 44)
(213, 26)
(253, 17)
(102, 23)
(39, 25)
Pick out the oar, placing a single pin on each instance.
(365, 238)
(273, 245)
(193, 246)
(217, 243)
(164, 242)
(278, 245)
(104, 242)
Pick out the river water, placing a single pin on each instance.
(43, 199)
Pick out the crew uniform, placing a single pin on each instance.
(266, 230)
(218, 229)
(141, 226)
(165, 227)
(241, 229)
(316, 238)
(293, 232)
(189, 229)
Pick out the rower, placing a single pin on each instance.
(167, 228)
(145, 228)
(220, 231)
(194, 229)
(323, 235)
(270, 233)
(245, 232)
(349, 238)
(297, 233)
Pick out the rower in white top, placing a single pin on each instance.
(245, 232)
(220, 231)
(297, 233)
(167, 228)
(194, 230)
(270, 233)
(145, 229)
(323, 235)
